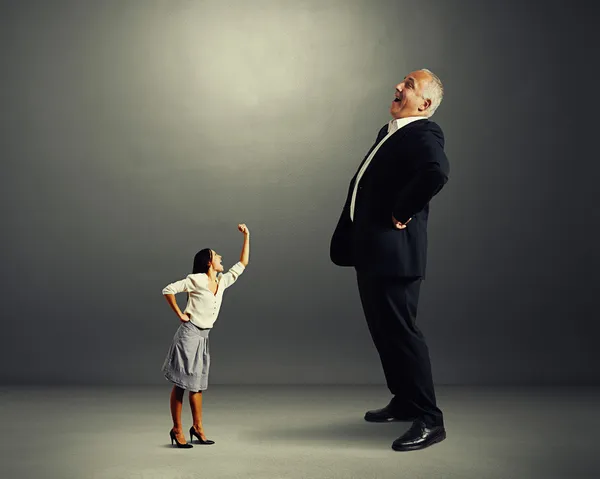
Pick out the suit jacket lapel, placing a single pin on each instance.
(382, 134)
(405, 129)
(396, 138)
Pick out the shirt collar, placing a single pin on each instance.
(396, 124)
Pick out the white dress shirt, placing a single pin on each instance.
(393, 127)
(203, 306)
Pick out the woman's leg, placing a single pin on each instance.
(176, 406)
(196, 406)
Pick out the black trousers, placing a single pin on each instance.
(390, 307)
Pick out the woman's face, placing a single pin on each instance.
(216, 262)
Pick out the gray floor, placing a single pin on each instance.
(296, 432)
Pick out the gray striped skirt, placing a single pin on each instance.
(188, 359)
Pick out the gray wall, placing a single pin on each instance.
(134, 133)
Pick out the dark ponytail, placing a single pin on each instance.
(202, 261)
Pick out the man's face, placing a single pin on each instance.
(409, 96)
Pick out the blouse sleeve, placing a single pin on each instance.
(177, 287)
(227, 279)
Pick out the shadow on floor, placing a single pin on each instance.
(344, 434)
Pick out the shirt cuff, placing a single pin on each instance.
(239, 265)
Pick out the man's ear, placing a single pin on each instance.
(425, 105)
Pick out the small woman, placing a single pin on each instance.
(188, 360)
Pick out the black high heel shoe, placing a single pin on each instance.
(179, 444)
(200, 440)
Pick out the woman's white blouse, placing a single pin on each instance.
(203, 306)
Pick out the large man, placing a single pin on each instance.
(382, 233)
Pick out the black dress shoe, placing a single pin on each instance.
(419, 436)
(386, 415)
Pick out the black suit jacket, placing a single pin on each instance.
(409, 169)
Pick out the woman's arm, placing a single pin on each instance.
(227, 279)
(169, 293)
(175, 307)
(245, 255)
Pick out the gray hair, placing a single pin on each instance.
(434, 91)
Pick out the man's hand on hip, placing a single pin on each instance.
(398, 225)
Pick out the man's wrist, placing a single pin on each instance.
(400, 218)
